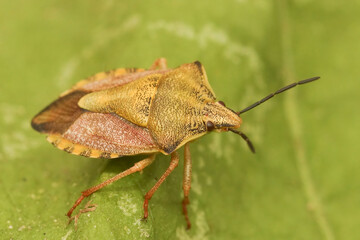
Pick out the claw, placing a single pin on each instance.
(185, 202)
(88, 208)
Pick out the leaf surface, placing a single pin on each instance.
(302, 183)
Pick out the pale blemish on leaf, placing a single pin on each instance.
(9, 224)
(195, 184)
(67, 72)
(208, 180)
(67, 235)
(179, 29)
(113, 194)
(13, 144)
(207, 35)
(143, 228)
(127, 230)
(201, 162)
(10, 113)
(127, 205)
(231, 153)
(215, 146)
(21, 228)
(144, 233)
(33, 196)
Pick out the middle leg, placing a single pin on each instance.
(173, 164)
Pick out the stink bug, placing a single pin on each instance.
(130, 111)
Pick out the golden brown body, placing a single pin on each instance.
(134, 111)
(168, 107)
(131, 111)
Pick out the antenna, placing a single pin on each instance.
(277, 92)
(249, 143)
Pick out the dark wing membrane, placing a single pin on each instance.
(59, 115)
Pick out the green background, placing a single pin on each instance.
(303, 182)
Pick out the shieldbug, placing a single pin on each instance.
(130, 111)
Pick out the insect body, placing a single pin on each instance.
(136, 111)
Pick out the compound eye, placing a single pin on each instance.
(221, 103)
(210, 126)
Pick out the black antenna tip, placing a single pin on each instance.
(249, 143)
(251, 147)
(308, 80)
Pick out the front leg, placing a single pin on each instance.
(186, 182)
(173, 164)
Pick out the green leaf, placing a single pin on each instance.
(302, 183)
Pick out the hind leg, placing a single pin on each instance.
(139, 166)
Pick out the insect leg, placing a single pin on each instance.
(88, 208)
(136, 168)
(173, 164)
(186, 182)
(159, 63)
